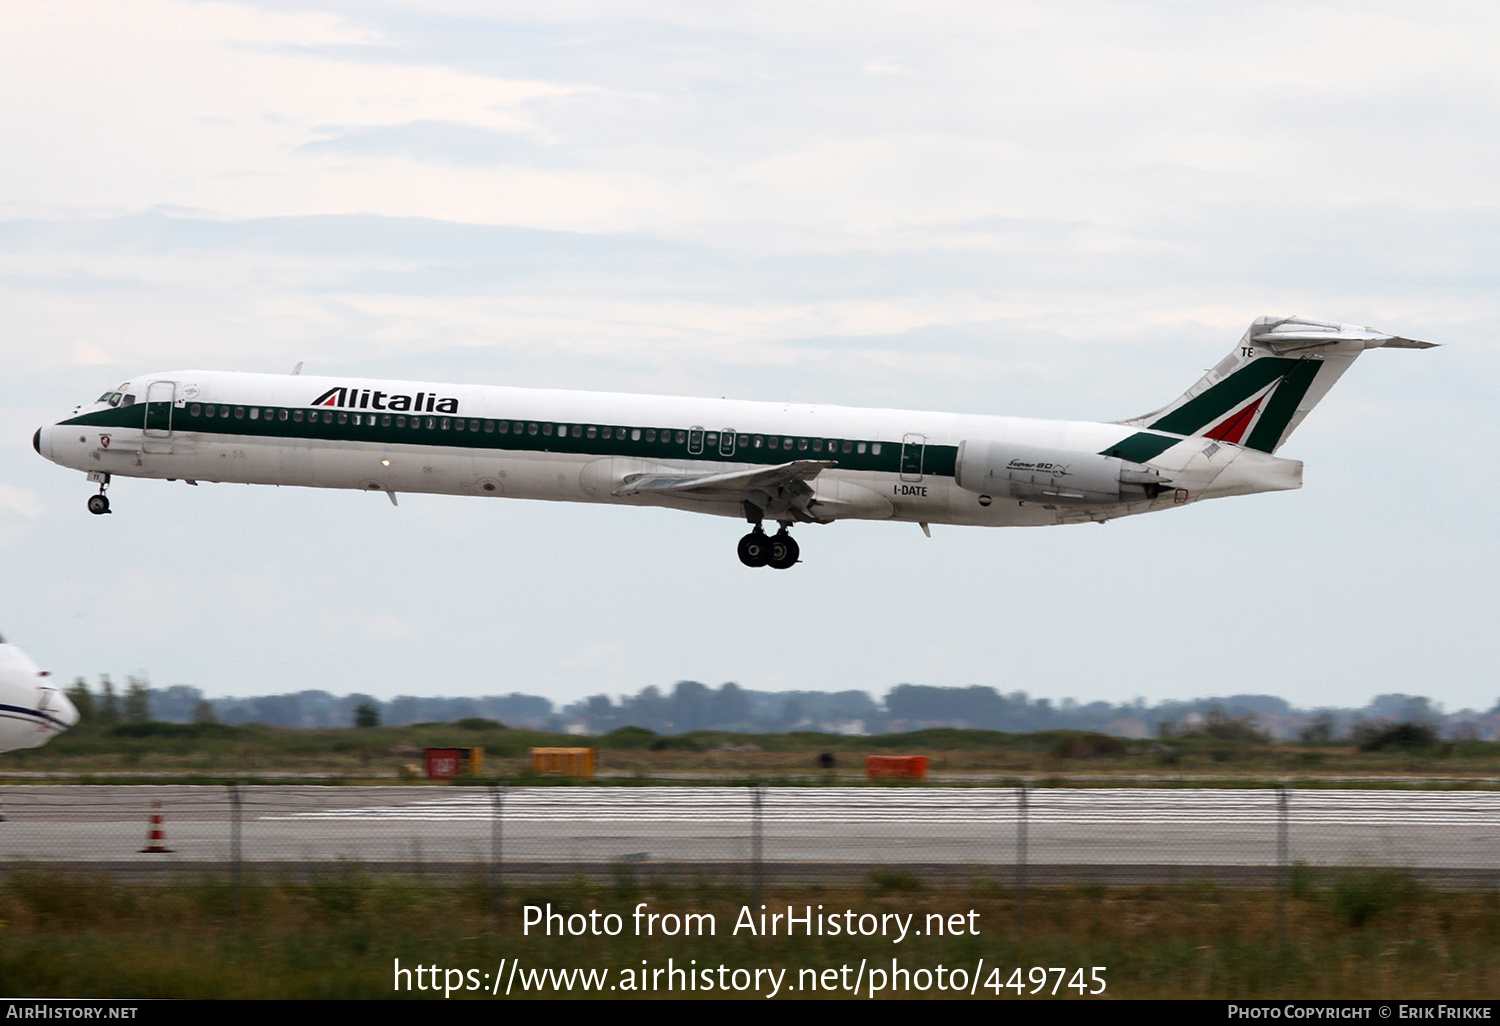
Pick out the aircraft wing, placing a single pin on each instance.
(777, 491)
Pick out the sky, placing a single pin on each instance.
(1049, 209)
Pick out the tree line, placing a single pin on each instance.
(690, 705)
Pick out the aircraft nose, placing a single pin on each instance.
(63, 709)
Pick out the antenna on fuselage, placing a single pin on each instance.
(297, 369)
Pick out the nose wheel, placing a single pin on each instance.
(779, 552)
(99, 504)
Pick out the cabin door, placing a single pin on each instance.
(160, 397)
(911, 456)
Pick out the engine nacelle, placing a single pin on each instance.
(1039, 474)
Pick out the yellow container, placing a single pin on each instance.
(570, 762)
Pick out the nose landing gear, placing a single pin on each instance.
(99, 504)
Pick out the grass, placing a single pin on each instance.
(1364, 933)
(217, 752)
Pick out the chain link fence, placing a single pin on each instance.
(1013, 837)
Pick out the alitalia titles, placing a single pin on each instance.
(370, 399)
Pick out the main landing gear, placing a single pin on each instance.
(778, 552)
(99, 504)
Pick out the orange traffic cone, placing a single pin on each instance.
(156, 837)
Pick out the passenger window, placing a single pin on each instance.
(489, 427)
(594, 432)
(254, 413)
(817, 445)
(577, 431)
(327, 416)
(635, 436)
(875, 449)
(445, 423)
(744, 440)
(270, 414)
(431, 423)
(681, 437)
(385, 420)
(801, 445)
(195, 409)
(848, 447)
(531, 429)
(297, 416)
(209, 411)
(281, 415)
(759, 441)
(860, 448)
(473, 425)
(503, 427)
(357, 420)
(650, 434)
(343, 418)
(772, 443)
(239, 413)
(711, 439)
(547, 430)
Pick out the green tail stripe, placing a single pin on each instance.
(1283, 406)
(1201, 411)
(1140, 447)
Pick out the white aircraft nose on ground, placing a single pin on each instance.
(31, 710)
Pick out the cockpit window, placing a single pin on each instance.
(127, 400)
(106, 397)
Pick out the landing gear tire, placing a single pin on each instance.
(784, 552)
(755, 548)
(98, 504)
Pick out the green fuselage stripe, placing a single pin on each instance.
(1202, 411)
(533, 436)
(1283, 406)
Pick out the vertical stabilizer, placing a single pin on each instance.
(1258, 394)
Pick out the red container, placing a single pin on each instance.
(444, 763)
(910, 767)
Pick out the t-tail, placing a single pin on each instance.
(1258, 394)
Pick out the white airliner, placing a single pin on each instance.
(31, 710)
(778, 462)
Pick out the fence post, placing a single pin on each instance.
(1021, 813)
(1283, 864)
(756, 800)
(497, 819)
(234, 848)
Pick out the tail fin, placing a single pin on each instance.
(1258, 394)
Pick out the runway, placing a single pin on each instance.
(708, 825)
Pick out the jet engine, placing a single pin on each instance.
(1032, 472)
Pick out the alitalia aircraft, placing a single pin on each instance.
(781, 463)
(31, 710)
